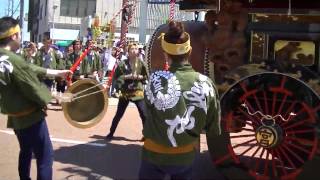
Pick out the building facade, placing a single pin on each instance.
(65, 19)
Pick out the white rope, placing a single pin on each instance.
(88, 89)
(69, 97)
(267, 116)
(95, 92)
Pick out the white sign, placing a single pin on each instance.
(64, 34)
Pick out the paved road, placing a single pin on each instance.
(83, 154)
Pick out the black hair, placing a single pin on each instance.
(176, 35)
(5, 24)
(75, 41)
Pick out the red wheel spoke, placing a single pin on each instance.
(244, 135)
(244, 121)
(262, 100)
(273, 164)
(258, 104)
(298, 147)
(250, 106)
(258, 160)
(244, 152)
(287, 113)
(299, 112)
(274, 103)
(294, 154)
(290, 108)
(246, 142)
(283, 80)
(300, 131)
(256, 151)
(287, 158)
(265, 102)
(221, 159)
(247, 129)
(300, 140)
(266, 164)
(282, 103)
(250, 117)
(278, 155)
(242, 128)
(298, 123)
(243, 87)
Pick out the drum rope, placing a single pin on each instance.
(68, 97)
(85, 95)
(75, 94)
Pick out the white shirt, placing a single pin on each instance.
(108, 61)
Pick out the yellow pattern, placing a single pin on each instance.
(158, 148)
(175, 49)
(10, 32)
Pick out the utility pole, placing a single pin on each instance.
(21, 17)
(143, 21)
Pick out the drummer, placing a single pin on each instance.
(24, 99)
(180, 103)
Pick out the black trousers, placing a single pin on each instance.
(122, 106)
(48, 83)
(61, 85)
(36, 140)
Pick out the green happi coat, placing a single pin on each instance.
(92, 62)
(130, 89)
(21, 91)
(180, 103)
(70, 61)
(56, 61)
(26, 58)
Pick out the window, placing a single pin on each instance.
(40, 13)
(82, 10)
(298, 52)
(64, 7)
(91, 8)
(258, 44)
(77, 8)
(45, 11)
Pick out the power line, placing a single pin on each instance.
(11, 9)
(17, 8)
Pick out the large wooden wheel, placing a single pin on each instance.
(270, 125)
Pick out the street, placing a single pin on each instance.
(81, 154)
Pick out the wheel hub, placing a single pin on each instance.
(268, 136)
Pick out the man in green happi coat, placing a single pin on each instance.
(23, 98)
(128, 80)
(91, 66)
(180, 104)
(48, 57)
(72, 58)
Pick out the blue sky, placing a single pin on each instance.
(3, 12)
(4, 6)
